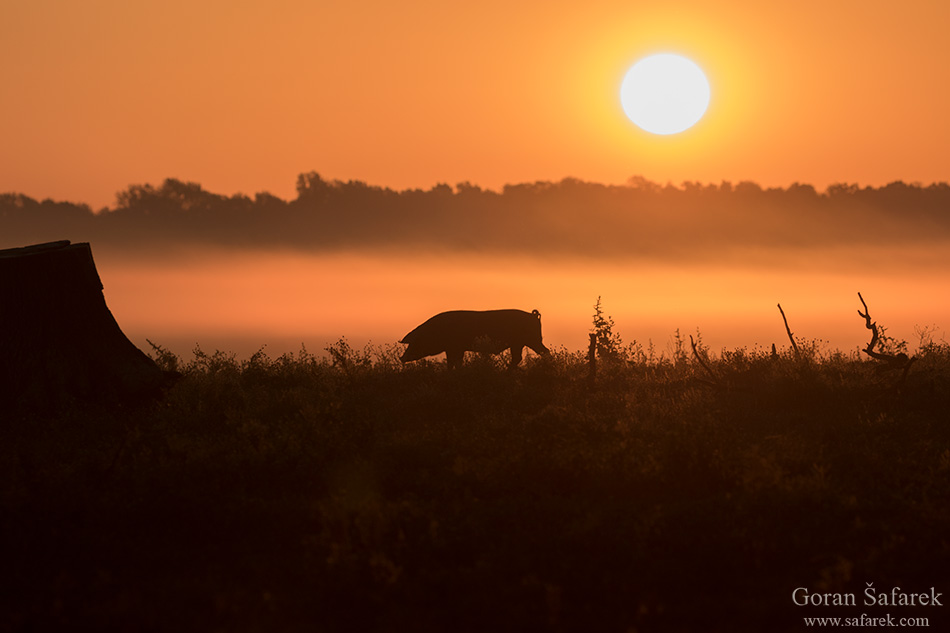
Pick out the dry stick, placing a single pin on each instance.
(701, 361)
(866, 315)
(869, 350)
(893, 360)
(789, 331)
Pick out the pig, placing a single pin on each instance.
(492, 331)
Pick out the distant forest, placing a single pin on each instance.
(640, 218)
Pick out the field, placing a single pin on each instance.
(346, 492)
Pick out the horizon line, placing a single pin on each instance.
(635, 182)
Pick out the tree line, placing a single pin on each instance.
(639, 218)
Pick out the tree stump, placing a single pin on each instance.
(59, 343)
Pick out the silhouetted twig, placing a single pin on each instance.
(715, 378)
(789, 331)
(892, 361)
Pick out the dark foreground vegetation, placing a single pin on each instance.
(350, 493)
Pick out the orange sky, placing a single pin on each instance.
(242, 96)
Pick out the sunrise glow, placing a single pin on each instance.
(665, 94)
(474, 316)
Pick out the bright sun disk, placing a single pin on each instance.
(664, 94)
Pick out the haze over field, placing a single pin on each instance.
(183, 265)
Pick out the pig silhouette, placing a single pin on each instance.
(491, 331)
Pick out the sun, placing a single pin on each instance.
(665, 94)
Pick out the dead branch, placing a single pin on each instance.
(789, 332)
(892, 361)
(715, 379)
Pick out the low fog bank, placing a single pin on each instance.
(690, 222)
(240, 301)
(183, 267)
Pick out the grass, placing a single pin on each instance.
(350, 493)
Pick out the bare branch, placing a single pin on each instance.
(701, 361)
(894, 361)
(875, 335)
(789, 332)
